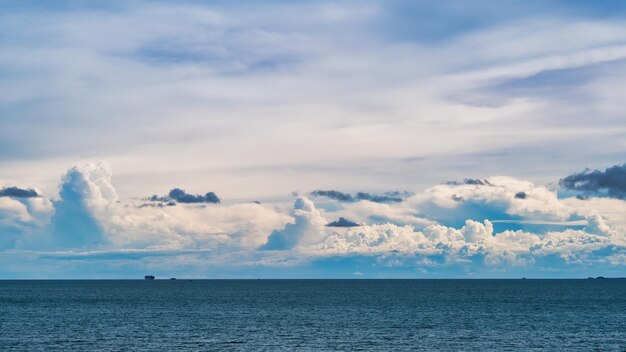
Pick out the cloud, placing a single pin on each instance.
(17, 192)
(372, 239)
(387, 197)
(475, 244)
(336, 195)
(597, 225)
(89, 215)
(22, 217)
(470, 181)
(342, 222)
(180, 196)
(307, 228)
(608, 183)
(89, 224)
(383, 90)
(157, 204)
(366, 75)
(369, 212)
(86, 194)
(495, 198)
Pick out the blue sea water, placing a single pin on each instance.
(313, 315)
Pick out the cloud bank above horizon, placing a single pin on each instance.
(451, 229)
(312, 139)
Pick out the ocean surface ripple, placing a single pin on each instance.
(313, 315)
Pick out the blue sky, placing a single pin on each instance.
(455, 135)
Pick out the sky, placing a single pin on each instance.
(312, 139)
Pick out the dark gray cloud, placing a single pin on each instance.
(180, 196)
(608, 183)
(521, 195)
(457, 198)
(387, 197)
(336, 195)
(342, 222)
(17, 192)
(470, 181)
(158, 204)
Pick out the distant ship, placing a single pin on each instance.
(148, 277)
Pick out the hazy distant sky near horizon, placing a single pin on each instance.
(105, 104)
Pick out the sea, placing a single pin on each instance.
(313, 315)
